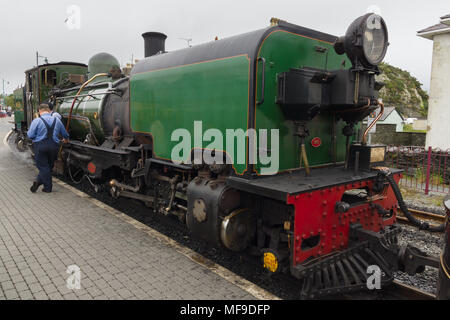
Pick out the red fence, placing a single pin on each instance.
(425, 169)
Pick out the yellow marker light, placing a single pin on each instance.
(270, 262)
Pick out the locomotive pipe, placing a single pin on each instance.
(60, 92)
(364, 140)
(120, 81)
(80, 156)
(421, 224)
(115, 183)
(302, 133)
(348, 132)
(135, 196)
(85, 95)
(305, 159)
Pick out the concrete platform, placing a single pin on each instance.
(41, 235)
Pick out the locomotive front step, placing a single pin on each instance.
(344, 272)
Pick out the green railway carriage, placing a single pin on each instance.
(19, 98)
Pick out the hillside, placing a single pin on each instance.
(403, 91)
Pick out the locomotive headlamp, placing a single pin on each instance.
(365, 41)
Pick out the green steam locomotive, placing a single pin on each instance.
(253, 141)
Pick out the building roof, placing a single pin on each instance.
(436, 27)
(387, 112)
(440, 28)
(446, 19)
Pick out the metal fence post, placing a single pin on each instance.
(427, 183)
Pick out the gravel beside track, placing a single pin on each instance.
(430, 243)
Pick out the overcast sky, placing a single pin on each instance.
(112, 26)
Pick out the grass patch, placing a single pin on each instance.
(435, 178)
(409, 128)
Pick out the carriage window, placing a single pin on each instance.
(49, 77)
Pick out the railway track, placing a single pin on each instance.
(396, 291)
(433, 218)
(401, 291)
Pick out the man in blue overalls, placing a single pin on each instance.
(45, 132)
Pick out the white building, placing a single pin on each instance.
(438, 135)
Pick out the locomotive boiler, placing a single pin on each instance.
(315, 201)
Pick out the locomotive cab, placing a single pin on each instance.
(40, 81)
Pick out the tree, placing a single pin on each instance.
(9, 101)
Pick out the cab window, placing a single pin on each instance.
(49, 77)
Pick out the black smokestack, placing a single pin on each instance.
(154, 42)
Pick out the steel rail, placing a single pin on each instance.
(398, 290)
(395, 291)
(428, 216)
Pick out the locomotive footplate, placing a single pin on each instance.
(97, 159)
(279, 187)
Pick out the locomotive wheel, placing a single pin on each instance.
(20, 144)
(238, 229)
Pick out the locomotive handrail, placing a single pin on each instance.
(263, 85)
(91, 86)
(86, 95)
(120, 81)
